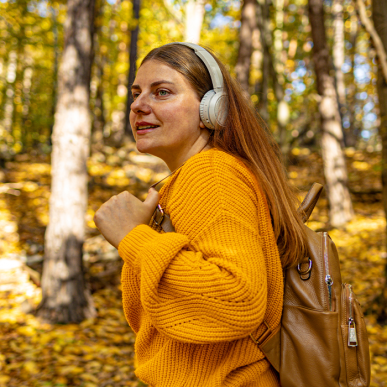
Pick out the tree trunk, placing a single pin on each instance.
(338, 54)
(248, 24)
(27, 140)
(283, 111)
(10, 93)
(54, 19)
(352, 133)
(99, 121)
(335, 171)
(132, 66)
(263, 20)
(379, 15)
(194, 14)
(18, 130)
(65, 298)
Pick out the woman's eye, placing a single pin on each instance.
(163, 93)
(135, 95)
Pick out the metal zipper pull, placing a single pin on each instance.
(352, 337)
(328, 278)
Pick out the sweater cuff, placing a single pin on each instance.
(134, 242)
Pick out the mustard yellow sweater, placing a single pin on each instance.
(193, 297)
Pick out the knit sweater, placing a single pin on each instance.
(193, 296)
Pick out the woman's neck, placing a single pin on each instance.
(201, 145)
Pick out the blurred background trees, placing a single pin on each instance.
(268, 43)
(315, 70)
(309, 67)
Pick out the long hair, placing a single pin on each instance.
(244, 137)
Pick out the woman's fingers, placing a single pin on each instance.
(123, 212)
(151, 201)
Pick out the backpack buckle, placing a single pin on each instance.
(158, 216)
(264, 335)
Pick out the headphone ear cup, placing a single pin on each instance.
(213, 109)
(205, 109)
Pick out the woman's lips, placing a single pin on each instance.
(144, 131)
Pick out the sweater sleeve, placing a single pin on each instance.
(206, 282)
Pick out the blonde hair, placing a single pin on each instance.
(247, 139)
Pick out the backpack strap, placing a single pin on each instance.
(160, 218)
(270, 340)
(310, 201)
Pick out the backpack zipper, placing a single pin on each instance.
(352, 337)
(328, 278)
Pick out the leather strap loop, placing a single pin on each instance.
(259, 340)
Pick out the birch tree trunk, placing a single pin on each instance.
(54, 20)
(379, 15)
(246, 32)
(65, 298)
(10, 92)
(338, 53)
(335, 171)
(283, 111)
(352, 133)
(194, 14)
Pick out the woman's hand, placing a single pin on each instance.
(122, 213)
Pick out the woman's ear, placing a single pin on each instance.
(201, 125)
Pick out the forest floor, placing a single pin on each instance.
(99, 351)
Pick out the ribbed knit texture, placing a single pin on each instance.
(193, 297)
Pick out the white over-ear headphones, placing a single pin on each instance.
(213, 106)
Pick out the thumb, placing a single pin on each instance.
(152, 199)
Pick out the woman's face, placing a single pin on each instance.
(165, 113)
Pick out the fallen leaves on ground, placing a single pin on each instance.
(96, 353)
(99, 352)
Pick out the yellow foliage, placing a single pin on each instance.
(70, 370)
(30, 186)
(26, 331)
(144, 174)
(31, 367)
(361, 165)
(4, 379)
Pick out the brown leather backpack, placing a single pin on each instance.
(322, 340)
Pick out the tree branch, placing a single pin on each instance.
(369, 26)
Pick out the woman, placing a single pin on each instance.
(195, 295)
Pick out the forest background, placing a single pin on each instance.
(315, 71)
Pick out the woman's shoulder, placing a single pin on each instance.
(216, 164)
(217, 176)
(210, 186)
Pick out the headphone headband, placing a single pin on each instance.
(213, 106)
(210, 62)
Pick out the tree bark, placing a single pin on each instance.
(10, 92)
(338, 54)
(352, 133)
(263, 19)
(54, 17)
(194, 14)
(379, 16)
(375, 35)
(248, 24)
(65, 297)
(132, 66)
(335, 171)
(283, 111)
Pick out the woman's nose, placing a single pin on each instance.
(141, 105)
